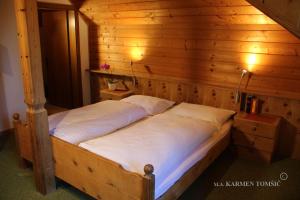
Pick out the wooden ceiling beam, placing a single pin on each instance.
(31, 62)
(284, 12)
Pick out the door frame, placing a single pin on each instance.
(77, 98)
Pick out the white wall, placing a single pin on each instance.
(11, 88)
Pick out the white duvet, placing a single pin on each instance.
(93, 121)
(164, 141)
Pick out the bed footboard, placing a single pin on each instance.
(23, 141)
(98, 176)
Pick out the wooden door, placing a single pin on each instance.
(56, 58)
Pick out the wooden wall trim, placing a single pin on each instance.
(30, 51)
(244, 87)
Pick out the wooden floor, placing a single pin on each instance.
(52, 109)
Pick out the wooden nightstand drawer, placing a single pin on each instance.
(252, 141)
(105, 96)
(255, 128)
(256, 136)
(253, 154)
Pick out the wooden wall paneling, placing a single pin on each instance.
(218, 45)
(31, 62)
(196, 94)
(211, 97)
(163, 89)
(179, 92)
(149, 87)
(138, 87)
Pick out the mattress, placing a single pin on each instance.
(171, 143)
(93, 121)
(194, 157)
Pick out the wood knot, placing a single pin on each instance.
(75, 163)
(179, 88)
(16, 116)
(83, 189)
(289, 113)
(148, 169)
(110, 184)
(149, 84)
(90, 169)
(213, 93)
(285, 105)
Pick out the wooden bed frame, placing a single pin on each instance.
(104, 179)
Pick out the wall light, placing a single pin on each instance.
(238, 93)
(136, 54)
(251, 61)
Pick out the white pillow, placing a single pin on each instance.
(152, 105)
(216, 116)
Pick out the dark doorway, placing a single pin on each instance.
(60, 55)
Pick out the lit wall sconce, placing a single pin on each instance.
(136, 55)
(132, 74)
(238, 92)
(251, 61)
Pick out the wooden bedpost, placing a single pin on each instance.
(17, 123)
(30, 52)
(150, 185)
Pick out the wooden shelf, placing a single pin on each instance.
(104, 73)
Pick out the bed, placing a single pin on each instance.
(89, 168)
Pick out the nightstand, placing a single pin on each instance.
(106, 94)
(256, 136)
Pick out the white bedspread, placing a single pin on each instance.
(164, 141)
(93, 121)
